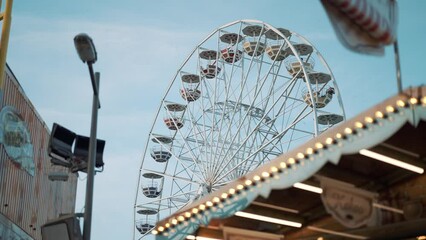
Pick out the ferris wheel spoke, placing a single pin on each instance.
(285, 110)
(211, 92)
(213, 106)
(197, 133)
(242, 121)
(224, 113)
(240, 87)
(258, 150)
(158, 201)
(181, 188)
(225, 164)
(298, 118)
(217, 133)
(228, 107)
(189, 150)
(206, 101)
(171, 176)
(187, 168)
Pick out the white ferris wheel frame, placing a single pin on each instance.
(179, 71)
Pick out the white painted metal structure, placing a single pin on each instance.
(246, 94)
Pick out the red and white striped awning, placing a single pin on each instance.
(364, 131)
(361, 25)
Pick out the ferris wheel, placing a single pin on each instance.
(246, 94)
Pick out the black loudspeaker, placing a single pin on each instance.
(60, 144)
(81, 150)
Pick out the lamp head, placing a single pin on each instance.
(85, 48)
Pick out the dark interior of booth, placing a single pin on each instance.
(400, 195)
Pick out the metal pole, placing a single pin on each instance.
(95, 82)
(93, 79)
(92, 159)
(398, 66)
(4, 41)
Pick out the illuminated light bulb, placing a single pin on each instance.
(195, 210)
(225, 195)
(240, 187)
(265, 174)
(202, 207)
(379, 114)
(231, 191)
(414, 100)
(274, 169)
(174, 221)
(319, 145)
(400, 103)
(390, 109)
(339, 135)
(300, 156)
(154, 232)
(181, 218)
(329, 141)
(256, 178)
(187, 214)
(248, 182)
(424, 100)
(359, 125)
(161, 228)
(167, 225)
(369, 119)
(291, 161)
(348, 131)
(216, 199)
(209, 204)
(309, 151)
(283, 165)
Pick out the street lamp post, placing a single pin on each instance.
(87, 52)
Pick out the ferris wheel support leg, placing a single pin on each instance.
(398, 66)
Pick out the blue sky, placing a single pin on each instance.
(140, 46)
